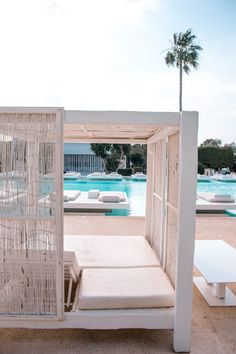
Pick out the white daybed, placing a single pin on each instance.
(224, 178)
(81, 201)
(104, 201)
(171, 140)
(216, 197)
(207, 201)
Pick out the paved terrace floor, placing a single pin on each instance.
(213, 329)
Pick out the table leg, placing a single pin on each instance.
(220, 290)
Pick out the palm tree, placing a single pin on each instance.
(184, 54)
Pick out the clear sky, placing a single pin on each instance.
(108, 55)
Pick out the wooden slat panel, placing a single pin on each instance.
(156, 226)
(173, 169)
(158, 167)
(76, 131)
(171, 242)
(172, 205)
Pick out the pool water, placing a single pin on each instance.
(136, 191)
(217, 187)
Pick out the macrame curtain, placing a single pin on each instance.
(28, 240)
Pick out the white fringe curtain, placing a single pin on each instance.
(28, 243)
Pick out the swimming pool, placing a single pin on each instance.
(217, 187)
(136, 191)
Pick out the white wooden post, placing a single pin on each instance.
(163, 204)
(186, 231)
(149, 193)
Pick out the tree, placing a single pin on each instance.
(216, 157)
(232, 146)
(137, 159)
(184, 54)
(212, 142)
(138, 155)
(112, 154)
(101, 150)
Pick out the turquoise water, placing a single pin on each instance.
(217, 187)
(136, 191)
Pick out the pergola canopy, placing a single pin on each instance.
(116, 127)
(31, 236)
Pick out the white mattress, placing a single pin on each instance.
(111, 251)
(214, 197)
(125, 288)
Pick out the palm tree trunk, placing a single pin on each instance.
(180, 83)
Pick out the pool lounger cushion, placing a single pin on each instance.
(93, 193)
(112, 196)
(125, 288)
(71, 195)
(67, 195)
(111, 251)
(216, 197)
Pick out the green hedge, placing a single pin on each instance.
(125, 171)
(201, 168)
(216, 157)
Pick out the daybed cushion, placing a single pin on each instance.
(93, 193)
(216, 197)
(67, 195)
(111, 251)
(112, 196)
(125, 288)
(71, 195)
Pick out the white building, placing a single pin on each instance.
(80, 158)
